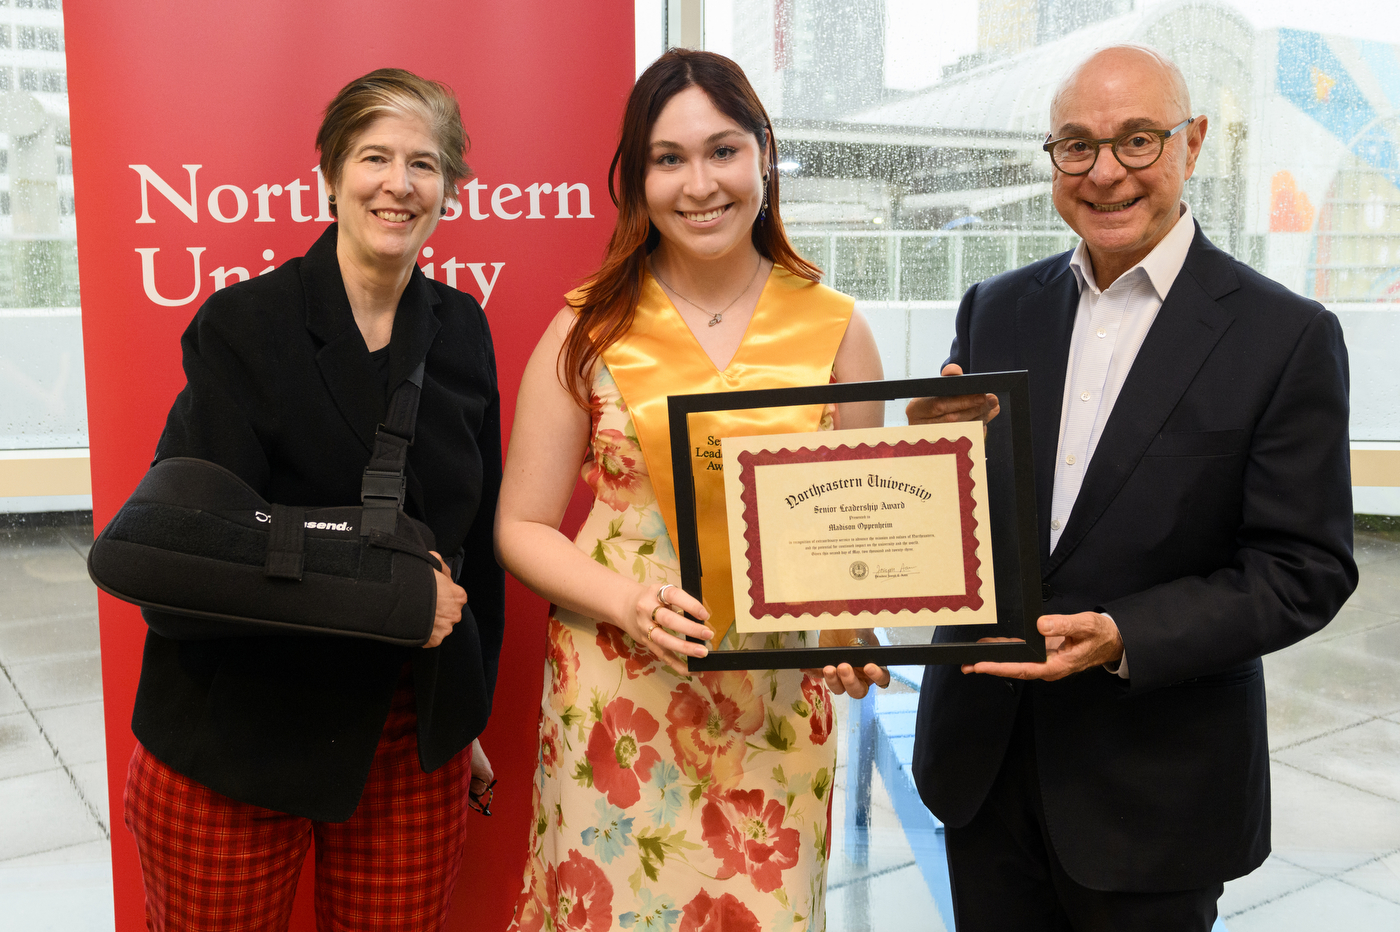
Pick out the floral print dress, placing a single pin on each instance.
(666, 803)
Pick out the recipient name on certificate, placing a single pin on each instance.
(880, 527)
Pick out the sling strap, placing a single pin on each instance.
(383, 488)
(286, 542)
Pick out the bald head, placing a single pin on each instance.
(1121, 211)
(1139, 60)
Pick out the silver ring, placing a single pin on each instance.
(661, 594)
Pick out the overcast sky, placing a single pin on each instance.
(921, 37)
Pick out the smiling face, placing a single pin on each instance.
(704, 182)
(1123, 213)
(389, 193)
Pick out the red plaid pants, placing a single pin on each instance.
(213, 864)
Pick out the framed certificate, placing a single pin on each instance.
(900, 528)
(860, 528)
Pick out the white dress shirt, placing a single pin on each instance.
(1109, 327)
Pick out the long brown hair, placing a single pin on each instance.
(609, 300)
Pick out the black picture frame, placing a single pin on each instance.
(1010, 500)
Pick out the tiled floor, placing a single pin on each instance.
(1334, 718)
(1334, 734)
(887, 891)
(1334, 722)
(55, 869)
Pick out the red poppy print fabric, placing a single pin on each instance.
(582, 895)
(711, 719)
(746, 832)
(618, 752)
(816, 708)
(663, 803)
(636, 659)
(724, 913)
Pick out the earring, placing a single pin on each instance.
(442, 211)
(330, 198)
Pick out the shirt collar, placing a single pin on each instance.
(1161, 265)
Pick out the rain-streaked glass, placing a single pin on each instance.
(912, 166)
(42, 403)
(910, 150)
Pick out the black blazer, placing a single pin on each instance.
(1214, 525)
(281, 391)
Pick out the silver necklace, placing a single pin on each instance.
(717, 317)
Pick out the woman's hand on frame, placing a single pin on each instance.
(657, 622)
(450, 600)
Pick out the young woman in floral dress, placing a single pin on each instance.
(667, 802)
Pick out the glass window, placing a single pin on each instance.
(43, 409)
(910, 151)
(47, 38)
(911, 168)
(55, 866)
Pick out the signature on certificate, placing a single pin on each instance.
(893, 572)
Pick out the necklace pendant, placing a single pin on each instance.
(717, 319)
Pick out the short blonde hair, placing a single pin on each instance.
(393, 92)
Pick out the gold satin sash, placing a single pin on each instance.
(791, 341)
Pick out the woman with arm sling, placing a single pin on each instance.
(253, 746)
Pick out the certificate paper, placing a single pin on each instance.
(880, 527)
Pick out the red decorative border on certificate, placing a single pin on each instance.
(750, 460)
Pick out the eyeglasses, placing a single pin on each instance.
(1137, 148)
(481, 802)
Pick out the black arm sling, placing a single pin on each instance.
(205, 556)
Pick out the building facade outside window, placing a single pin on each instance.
(911, 168)
(909, 179)
(43, 409)
(910, 151)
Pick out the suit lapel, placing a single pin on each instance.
(345, 368)
(1044, 324)
(1188, 325)
(344, 358)
(415, 325)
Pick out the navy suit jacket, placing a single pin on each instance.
(1214, 525)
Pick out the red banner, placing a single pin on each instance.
(194, 166)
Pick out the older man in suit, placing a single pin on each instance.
(1192, 482)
